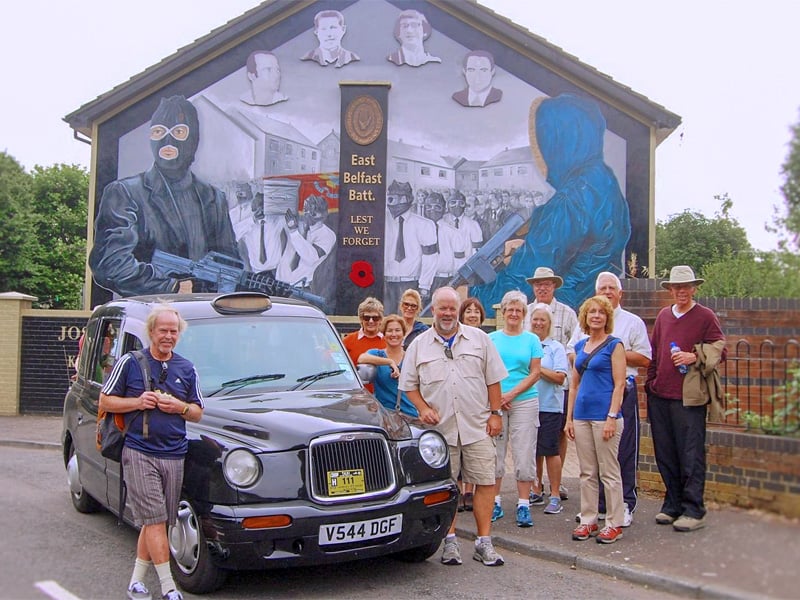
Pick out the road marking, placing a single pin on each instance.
(55, 591)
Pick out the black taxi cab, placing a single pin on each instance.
(293, 463)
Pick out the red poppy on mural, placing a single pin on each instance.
(361, 273)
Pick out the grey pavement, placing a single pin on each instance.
(739, 554)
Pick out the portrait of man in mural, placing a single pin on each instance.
(310, 242)
(584, 227)
(329, 27)
(410, 255)
(264, 76)
(479, 72)
(164, 208)
(412, 29)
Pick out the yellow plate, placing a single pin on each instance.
(345, 483)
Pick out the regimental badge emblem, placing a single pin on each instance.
(364, 120)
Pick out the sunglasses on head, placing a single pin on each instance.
(375, 318)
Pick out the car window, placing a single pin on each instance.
(250, 354)
(106, 351)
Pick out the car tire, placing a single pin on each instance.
(81, 499)
(192, 566)
(418, 554)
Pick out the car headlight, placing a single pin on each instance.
(241, 468)
(433, 449)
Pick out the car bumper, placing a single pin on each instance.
(234, 547)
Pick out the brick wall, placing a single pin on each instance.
(742, 469)
(49, 348)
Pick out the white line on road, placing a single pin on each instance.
(55, 591)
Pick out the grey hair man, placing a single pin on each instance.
(464, 406)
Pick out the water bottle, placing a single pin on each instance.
(673, 348)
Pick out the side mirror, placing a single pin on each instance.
(366, 373)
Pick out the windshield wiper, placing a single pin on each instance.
(307, 380)
(245, 381)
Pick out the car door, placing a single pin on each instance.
(99, 354)
(124, 343)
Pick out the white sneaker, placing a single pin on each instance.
(627, 518)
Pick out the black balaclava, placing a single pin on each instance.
(172, 111)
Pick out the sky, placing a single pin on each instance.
(727, 68)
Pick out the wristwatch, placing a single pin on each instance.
(185, 409)
(498, 413)
(612, 415)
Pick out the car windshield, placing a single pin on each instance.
(255, 354)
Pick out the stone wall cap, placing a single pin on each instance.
(17, 296)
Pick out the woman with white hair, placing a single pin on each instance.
(551, 409)
(521, 352)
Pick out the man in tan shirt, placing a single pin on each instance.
(452, 374)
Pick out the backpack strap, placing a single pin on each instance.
(605, 343)
(144, 365)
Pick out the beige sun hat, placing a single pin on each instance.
(544, 273)
(681, 274)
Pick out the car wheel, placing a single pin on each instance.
(418, 554)
(191, 562)
(81, 500)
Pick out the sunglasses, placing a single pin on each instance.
(410, 305)
(163, 376)
(374, 318)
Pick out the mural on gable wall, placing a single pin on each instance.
(459, 166)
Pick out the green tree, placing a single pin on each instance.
(759, 275)
(17, 241)
(690, 238)
(59, 205)
(788, 221)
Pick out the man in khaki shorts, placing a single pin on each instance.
(452, 374)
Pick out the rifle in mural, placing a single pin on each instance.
(482, 267)
(229, 275)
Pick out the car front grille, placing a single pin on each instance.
(346, 452)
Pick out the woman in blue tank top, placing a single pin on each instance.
(594, 421)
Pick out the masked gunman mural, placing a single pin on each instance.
(166, 208)
(584, 228)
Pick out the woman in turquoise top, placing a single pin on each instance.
(594, 420)
(521, 352)
(388, 363)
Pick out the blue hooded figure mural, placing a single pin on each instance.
(584, 228)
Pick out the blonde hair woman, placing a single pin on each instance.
(594, 421)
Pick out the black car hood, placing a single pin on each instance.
(283, 420)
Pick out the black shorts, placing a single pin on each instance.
(550, 427)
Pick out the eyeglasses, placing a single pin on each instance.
(410, 305)
(448, 352)
(163, 376)
(374, 318)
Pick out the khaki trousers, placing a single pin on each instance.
(598, 460)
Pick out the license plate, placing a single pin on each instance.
(346, 483)
(343, 533)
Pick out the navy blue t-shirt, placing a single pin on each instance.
(167, 435)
